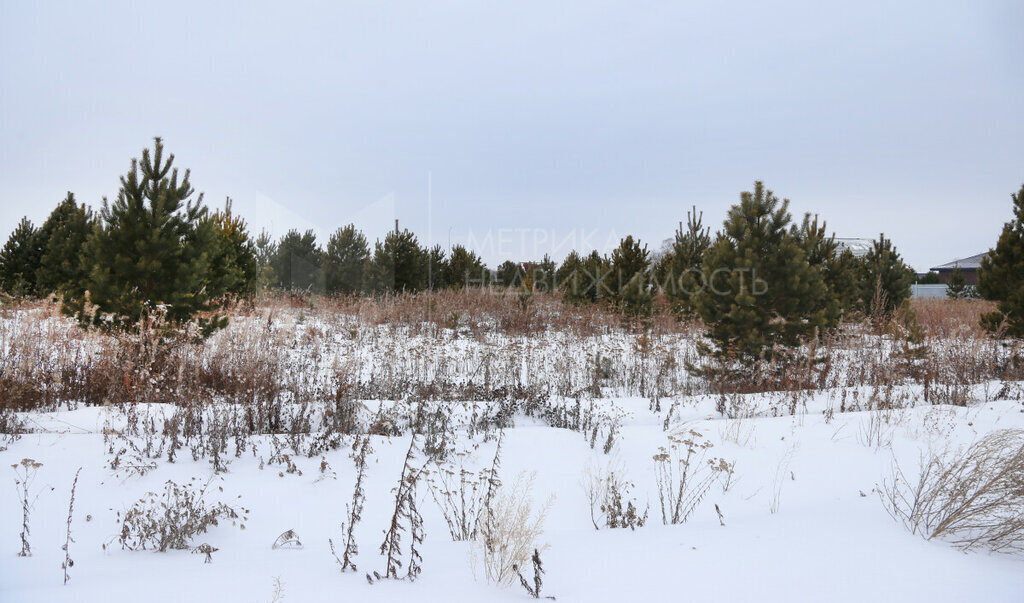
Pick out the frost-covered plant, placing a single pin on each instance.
(173, 519)
(973, 498)
(509, 531)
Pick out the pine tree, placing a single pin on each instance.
(234, 269)
(836, 269)
(510, 274)
(636, 299)
(885, 280)
(542, 274)
(628, 260)
(399, 264)
(297, 262)
(762, 295)
(62, 268)
(265, 249)
(465, 269)
(571, 278)
(598, 270)
(20, 259)
(1001, 278)
(345, 261)
(678, 273)
(842, 277)
(956, 288)
(146, 252)
(437, 268)
(585, 279)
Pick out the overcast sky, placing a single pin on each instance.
(533, 127)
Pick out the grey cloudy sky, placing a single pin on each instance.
(529, 126)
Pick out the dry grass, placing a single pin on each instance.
(948, 318)
(286, 349)
(292, 351)
(511, 529)
(973, 498)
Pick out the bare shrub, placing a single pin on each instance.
(738, 426)
(172, 520)
(610, 497)
(684, 475)
(462, 491)
(510, 531)
(972, 498)
(25, 472)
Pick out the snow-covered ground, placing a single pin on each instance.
(803, 517)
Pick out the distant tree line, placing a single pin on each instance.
(761, 283)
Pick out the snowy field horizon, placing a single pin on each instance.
(454, 301)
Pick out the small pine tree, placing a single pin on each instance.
(62, 268)
(585, 279)
(20, 259)
(842, 277)
(1001, 278)
(571, 278)
(297, 262)
(543, 274)
(265, 249)
(635, 298)
(465, 269)
(628, 260)
(234, 269)
(956, 288)
(762, 295)
(399, 264)
(510, 274)
(345, 261)
(837, 272)
(147, 253)
(678, 273)
(885, 280)
(437, 268)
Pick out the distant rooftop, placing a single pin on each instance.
(858, 247)
(971, 263)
